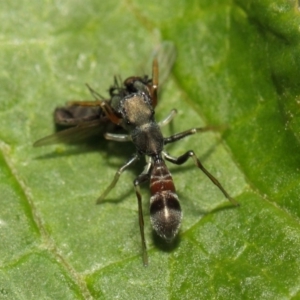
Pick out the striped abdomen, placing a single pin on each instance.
(165, 211)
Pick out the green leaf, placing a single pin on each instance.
(237, 65)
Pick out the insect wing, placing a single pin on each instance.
(74, 134)
(165, 54)
(73, 115)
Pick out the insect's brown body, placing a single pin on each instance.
(165, 210)
(131, 106)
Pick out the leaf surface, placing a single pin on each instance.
(237, 66)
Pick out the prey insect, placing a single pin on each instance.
(83, 119)
(131, 107)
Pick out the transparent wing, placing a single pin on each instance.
(165, 54)
(74, 134)
(73, 115)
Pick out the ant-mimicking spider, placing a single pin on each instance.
(131, 107)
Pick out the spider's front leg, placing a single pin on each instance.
(144, 177)
(183, 158)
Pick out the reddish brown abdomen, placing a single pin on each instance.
(165, 210)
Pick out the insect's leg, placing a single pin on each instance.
(104, 105)
(85, 103)
(141, 179)
(154, 82)
(183, 158)
(117, 137)
(168, 119)
(183, 134)
(110, 113)
(116, 178)
(95, 94)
